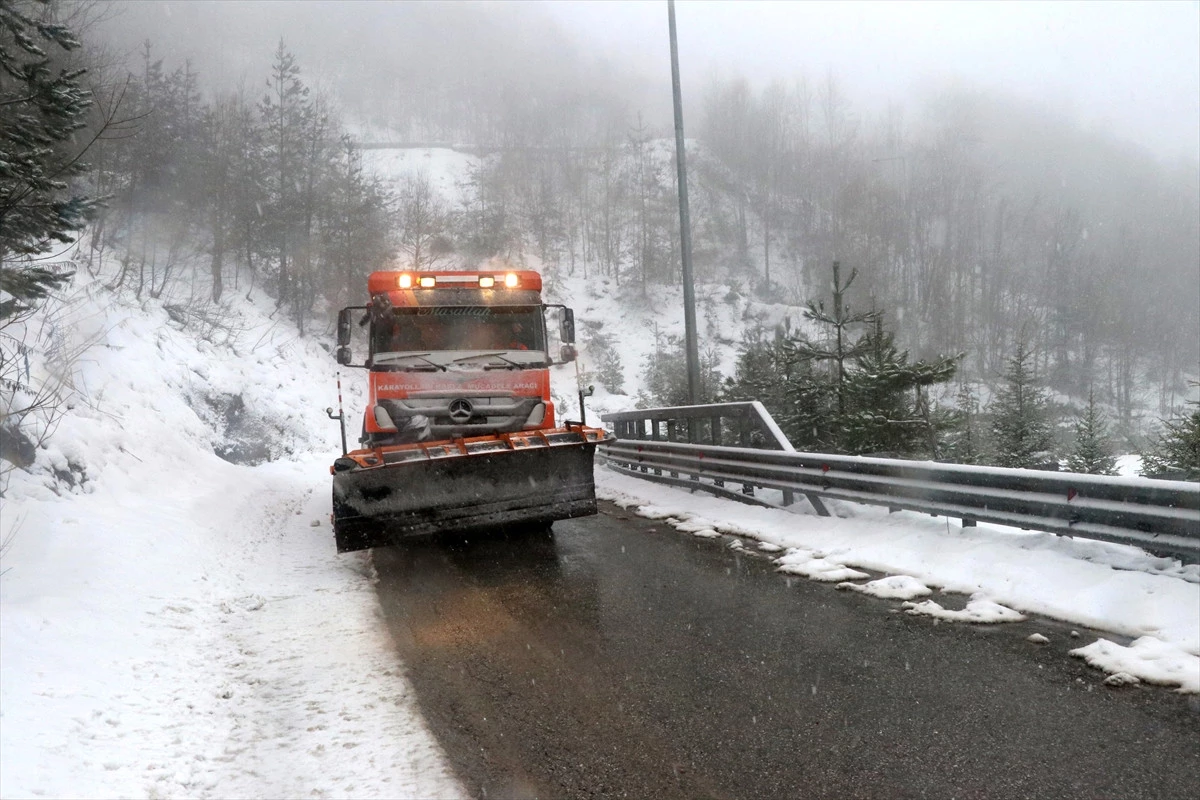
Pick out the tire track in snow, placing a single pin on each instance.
(316, 703)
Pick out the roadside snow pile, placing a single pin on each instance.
(979, 609)
(1147, 658)
(1007, 573)
(177, 624)
(808, 564)
(893, 587)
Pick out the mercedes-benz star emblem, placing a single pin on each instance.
(460, 410)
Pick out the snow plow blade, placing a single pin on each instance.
(393, 494)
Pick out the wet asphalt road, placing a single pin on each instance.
(620, 658)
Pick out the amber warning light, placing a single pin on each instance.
(511, 280)
(487, 282)
(428, 281)
(404, 281)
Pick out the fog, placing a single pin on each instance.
(1000, 176)
(1131, 69)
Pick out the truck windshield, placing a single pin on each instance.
(458, 329)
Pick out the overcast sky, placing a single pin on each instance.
(1133, 67)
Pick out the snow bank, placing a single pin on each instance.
(180, 625)
(1007, 573)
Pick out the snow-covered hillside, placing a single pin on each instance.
(178, 625)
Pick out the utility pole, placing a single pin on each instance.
(685, 224)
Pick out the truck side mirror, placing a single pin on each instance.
(343, 355)
(566, 327)
(566, 354)
(343, 332)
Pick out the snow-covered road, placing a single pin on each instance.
(203, 641)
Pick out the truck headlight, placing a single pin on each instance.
(537, 415)
(383, 419)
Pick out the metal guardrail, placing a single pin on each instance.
(1161, 516)
(709, 422)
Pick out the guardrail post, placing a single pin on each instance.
(789, 497)
(655, 437)
(672, 436)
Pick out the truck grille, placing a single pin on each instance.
(463, 415)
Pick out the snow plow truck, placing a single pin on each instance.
(459, 433)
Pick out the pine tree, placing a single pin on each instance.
(887, 412)
(665, 374)
(1021, 435)
(286, 111)
(42, 106)
(610, 371)
(769, 369)
(1092, 454)
(807, 416)
(961, 441)
(761, 371)
(840, 349)
(602, 353)
(1176, 452)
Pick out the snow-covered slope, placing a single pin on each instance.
(178, 625)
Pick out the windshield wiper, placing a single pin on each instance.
(391, 359)
(508, 361)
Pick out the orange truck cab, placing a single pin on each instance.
(460, 432)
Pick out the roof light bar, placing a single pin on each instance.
(404, 281)
(511, 280)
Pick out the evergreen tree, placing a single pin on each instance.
(354, 226)
(771, 370)
(42, 106)
(886, 409)
(607, 361)
(1176, 452)
(286, 111)
(1092, 454)
(839, 350)
(762, 369)
(610, 371)
(1021, 435)
(665, 374)
(961, 443)
(807, 413)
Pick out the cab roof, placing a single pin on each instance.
(389, 280)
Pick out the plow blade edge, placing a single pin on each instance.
(378, 506)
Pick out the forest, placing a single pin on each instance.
(1049, 271)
